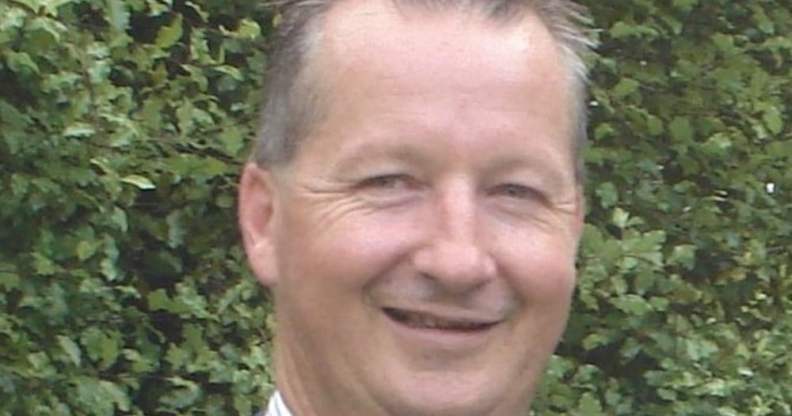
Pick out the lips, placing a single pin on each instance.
(423, 320)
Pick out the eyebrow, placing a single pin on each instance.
(366, 152)
(548, 174)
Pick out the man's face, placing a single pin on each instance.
(420, 246)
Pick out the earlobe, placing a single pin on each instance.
(257, 205)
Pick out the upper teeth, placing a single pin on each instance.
(416, 319)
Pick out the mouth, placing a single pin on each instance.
(422, 320)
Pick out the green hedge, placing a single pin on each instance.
(123, 289)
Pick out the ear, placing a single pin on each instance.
(257, 206)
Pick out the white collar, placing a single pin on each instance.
(276, 406)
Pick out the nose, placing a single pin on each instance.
(455, 254)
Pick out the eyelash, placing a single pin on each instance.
(517, 191)
(392, 181)
(384, 181)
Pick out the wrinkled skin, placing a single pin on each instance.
(420, 247)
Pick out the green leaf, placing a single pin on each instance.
(142, 182)
(101, 346)
(681, 129)
(607, 194)
(100, 396)
(230, 71)
(159, 300)
(593, 341)
(119, 218)
(699, 349)
(51, 6)
(109, 270)
(9, 280)
(186, 393)
(773, 120)
(43, 32)
(719, 144)
(177, 357)
(13, 19)
(654, 125)
(86, 249)
(684, 255)
(659, 304)
(169, 34)
(21, 62)
(248, 29)
(43, 265)
(140, 362)
(632, 304)
(589, 406)
(625, 87)
(725, 43)
(623, 30)
(116, 395)
(109, 349)
(118, 15)
(764, 22)
(79, 130)
(620, 217)
(685, 5)
(176, 231)
(198, 9)
(71, 348)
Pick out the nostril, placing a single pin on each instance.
(457, 266)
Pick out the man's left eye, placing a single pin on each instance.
(517, 191)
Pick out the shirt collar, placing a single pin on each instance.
(276, 406)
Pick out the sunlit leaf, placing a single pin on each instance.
(139, 181)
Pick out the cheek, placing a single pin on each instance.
(542, 268)
(327, 273)
(348, 253)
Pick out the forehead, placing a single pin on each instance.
(384, 35)
(387, 71)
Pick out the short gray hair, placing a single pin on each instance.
(292, 99)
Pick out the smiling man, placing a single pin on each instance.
(414, 203)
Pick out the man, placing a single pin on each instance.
(414, 203)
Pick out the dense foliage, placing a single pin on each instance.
(685, 293)
(123, 289)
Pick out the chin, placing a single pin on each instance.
(455, 396)
(467, 406)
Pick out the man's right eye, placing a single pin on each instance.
(389, 190)
(382, 182)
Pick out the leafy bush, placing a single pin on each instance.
(122, 282)
(685, 292)
(123, 125)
